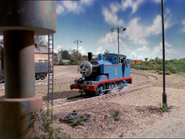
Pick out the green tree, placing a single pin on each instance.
(55, 58)
(64, 54)
(146, 59)
(156, 59)
(84, 58)
(106, 51)
(41, 41)
(75, 56)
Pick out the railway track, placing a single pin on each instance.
(150, 79)
(56, 81)
(131, 88)
(45, 82)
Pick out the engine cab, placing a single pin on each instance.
(114, 58)
(118, 59)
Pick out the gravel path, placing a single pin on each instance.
(138, 112)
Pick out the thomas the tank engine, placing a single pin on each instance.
(98, 77)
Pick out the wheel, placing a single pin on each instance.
(121, 84)
(36, 77)
(112, 85)
(42, 77)
(99, 89)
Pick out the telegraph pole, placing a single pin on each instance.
(76, 41)
(164, 95)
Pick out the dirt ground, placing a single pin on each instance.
(139, 116)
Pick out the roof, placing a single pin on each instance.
(41, 50)
(38, 50)
(116, 54)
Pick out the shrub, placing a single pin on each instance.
(113, 114)
(173, 70)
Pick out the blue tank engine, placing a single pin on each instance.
(98, 77)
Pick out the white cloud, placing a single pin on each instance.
(134, 4)
(183, 22)
(111, 40)
(156, 27)
(138, 33)
(142, 41)
(171, 51)
(182, 56)
(60, 9)
(59, 47)
(99, 50)
(168, 11)
(111, 17)
(135, 32)
(56, 48)
(82, 51)
(158, 49)
(73, 6)
(167, 44)
(134, 56)
(144, 48)
(157, 1)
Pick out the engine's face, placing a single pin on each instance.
(86, 68)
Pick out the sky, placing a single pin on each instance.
(91, 21)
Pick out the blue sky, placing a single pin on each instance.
(91, 21)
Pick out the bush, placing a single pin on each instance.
(166, 73)
(114, 115)
(173, 70)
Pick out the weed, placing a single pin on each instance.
(163, 107)
(114, 115)
(78, 121)
(45, 124)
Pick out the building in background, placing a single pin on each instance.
(41, 54)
